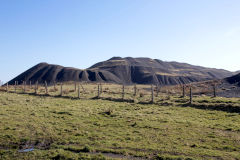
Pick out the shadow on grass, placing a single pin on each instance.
(48, 95)
(114, 99)
(218, 107)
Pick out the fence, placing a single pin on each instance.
(130, 93)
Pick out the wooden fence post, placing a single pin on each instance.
(123, 92)
(214, 91)
(157, 88)
(24, 86)
(30, 83)
(7, 88)
(100, 88)
(83, 88)
(183, 91)
(36, 87)
(46, 88)
(15, 87)
(61, 93)
(98, 91)
(78, 91)
(190, 94)
(135, 90)
(152, 94)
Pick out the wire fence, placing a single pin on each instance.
(131, 93)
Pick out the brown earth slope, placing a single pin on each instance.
(124, 70)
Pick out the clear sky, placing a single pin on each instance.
(79, 33)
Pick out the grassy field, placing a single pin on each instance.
(65, 128)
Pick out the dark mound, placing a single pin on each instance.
(153, 71)
(55, 73)
(124, 70)
(234, 79)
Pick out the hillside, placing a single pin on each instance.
(234, 79)
(124, 70)
(146, 70)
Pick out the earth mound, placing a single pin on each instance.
(234, 79)
(124, 70)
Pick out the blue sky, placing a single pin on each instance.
(79, 33)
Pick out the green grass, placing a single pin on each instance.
(61, 128)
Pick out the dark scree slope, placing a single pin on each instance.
(124, 70)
